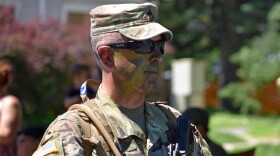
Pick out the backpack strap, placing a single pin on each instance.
(85, 109)
(162, 105)
(88, 141)
(97, 109)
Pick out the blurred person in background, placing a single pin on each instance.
(200, 119)
(79, 74)
(29, 139)
(10, 112)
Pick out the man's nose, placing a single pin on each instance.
(157, 55)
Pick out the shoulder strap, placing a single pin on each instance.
(166, 110)
(97, 107)
(99, 126)
(98, 110)
(162, 105)
(88, 141)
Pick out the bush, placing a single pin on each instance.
(259, 66)
(41, 54)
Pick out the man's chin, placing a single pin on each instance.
(151, 88)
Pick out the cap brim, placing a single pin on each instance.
(143, 32)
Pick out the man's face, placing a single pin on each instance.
(136, 70)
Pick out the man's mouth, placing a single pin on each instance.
(152, 73)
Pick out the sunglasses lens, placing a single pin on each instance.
(161, 45)
(143, 47)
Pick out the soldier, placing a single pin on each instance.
(129, 47)
(79, 74)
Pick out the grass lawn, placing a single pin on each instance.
(237, 133)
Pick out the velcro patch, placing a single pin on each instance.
(49, 147)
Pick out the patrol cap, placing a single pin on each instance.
(135, 21)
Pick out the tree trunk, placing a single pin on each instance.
(229, 44)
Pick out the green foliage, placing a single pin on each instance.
(268, 149)
(274, 17)
(198, 25)
(214, 30)
(239, 93)
(190, 23)
(260, 61)
(259, 65)
(245, 132)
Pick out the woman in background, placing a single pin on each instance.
(10, 112)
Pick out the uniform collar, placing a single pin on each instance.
(124, 127)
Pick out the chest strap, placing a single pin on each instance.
(85, 109)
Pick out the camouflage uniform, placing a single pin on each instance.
(67, 134)
(64, 135)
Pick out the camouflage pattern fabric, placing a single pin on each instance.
(64, 135)
(135, 21)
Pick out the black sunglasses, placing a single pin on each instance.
(142, 47)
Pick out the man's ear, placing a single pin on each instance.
(106, 55)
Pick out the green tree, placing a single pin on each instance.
(259, 65)
(206, 28)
